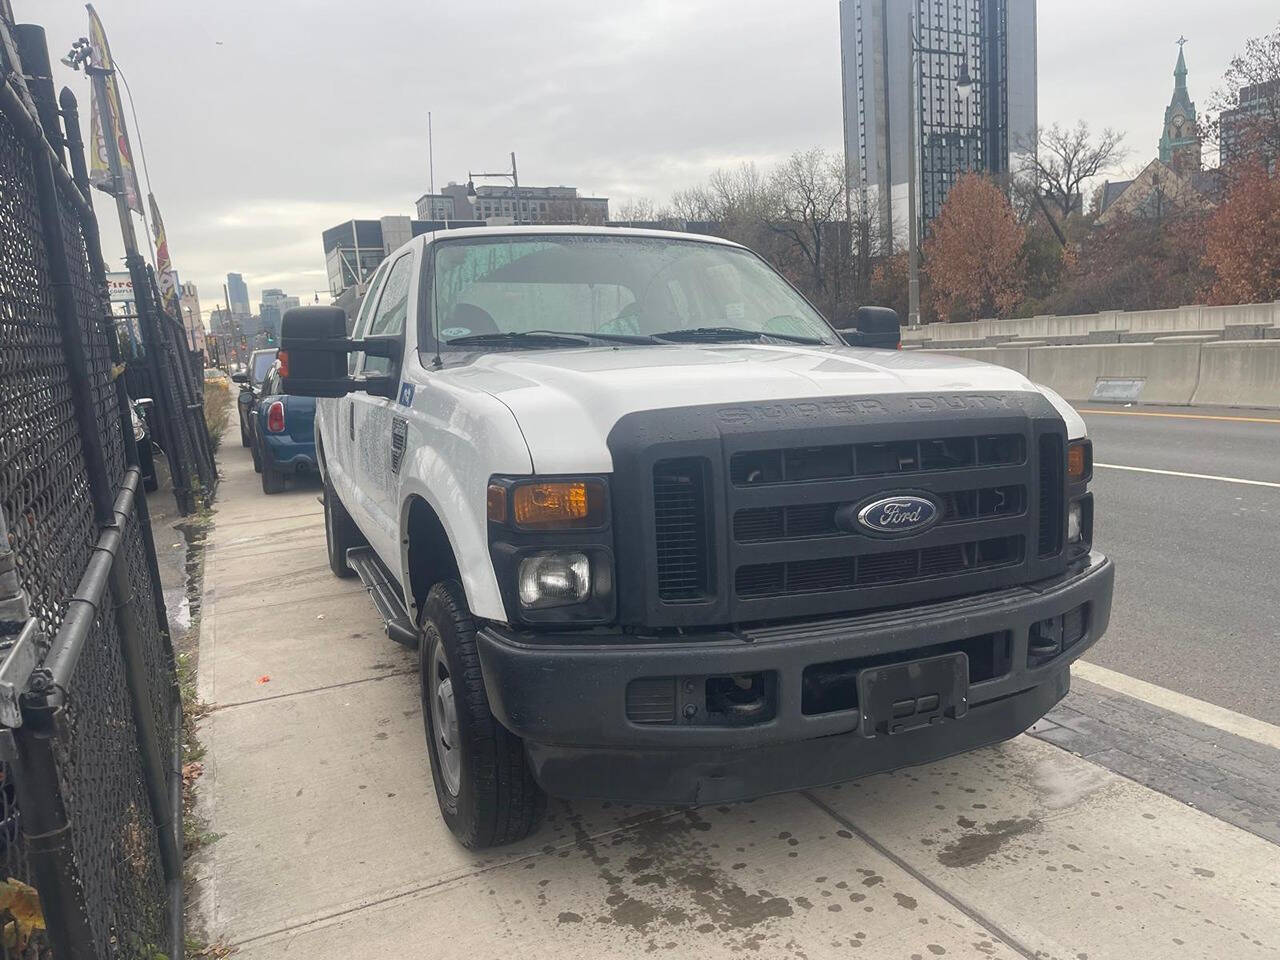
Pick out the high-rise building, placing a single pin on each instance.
(238, 294)
(354, 249)
(1242, 130)
(271, 310)
(958, 126)
(498, 202)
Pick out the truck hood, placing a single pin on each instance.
(567, 401)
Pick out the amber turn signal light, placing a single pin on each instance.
(1079, 461)
(496, 503)
(558, 504)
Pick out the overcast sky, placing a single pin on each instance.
(265, 122)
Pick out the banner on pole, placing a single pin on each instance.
(165, 275)
(107, 119)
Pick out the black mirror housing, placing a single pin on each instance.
(876, 327)
(313, 352)
(314, 348)
(240, 378)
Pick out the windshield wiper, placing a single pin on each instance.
(548, 338)
(520, 337)
(732, 334)
(605, 337)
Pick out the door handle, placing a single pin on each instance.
(351, 421)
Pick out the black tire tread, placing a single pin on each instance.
(345, 532)
(509, 804)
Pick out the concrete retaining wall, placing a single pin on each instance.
(1187, 319)
(1242, 373)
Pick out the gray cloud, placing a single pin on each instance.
(309, 113)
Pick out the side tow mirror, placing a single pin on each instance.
(314, 347)
(877, 327)
(240, 378)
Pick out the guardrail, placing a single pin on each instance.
(90, 790)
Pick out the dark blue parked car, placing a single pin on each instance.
(284, 441)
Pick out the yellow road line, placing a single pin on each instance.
(1177, 416)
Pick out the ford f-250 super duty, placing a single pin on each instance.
(660, 534)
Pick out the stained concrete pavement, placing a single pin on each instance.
(317, 780)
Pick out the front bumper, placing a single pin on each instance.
(566, 695)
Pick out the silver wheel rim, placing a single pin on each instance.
(444, 723)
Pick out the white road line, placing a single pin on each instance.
(1259, 731)
(1193, 476)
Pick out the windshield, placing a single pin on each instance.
(624, 287)
(262, 361)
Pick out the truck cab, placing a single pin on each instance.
(660, 534)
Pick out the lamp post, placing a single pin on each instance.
(512, 176)
(964, 87)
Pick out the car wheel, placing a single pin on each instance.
(257, 459)
(340, 532)
(272, 479)
(486, 792)
(244, 435)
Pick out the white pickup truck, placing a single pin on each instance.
(661, 535)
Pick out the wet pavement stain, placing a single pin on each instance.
(673, 866)
(904, 901)
(973, 848)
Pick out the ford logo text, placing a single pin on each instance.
(898, 516)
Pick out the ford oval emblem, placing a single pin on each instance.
(898, 516)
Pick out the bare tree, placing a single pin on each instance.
(809, 211)
(1251, 92)
(1064, 161)
(641, 210)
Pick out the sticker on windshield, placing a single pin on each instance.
(450, 332)
(406, 394)
(735, 311)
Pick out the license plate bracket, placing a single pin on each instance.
(899, 697)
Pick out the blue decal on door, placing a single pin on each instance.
(406, 394)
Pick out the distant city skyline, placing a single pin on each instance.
(625, 101)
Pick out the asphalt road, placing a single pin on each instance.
(1197, 604)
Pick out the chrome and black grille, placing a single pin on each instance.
(751, 513)
(680, 526)
(875, 569)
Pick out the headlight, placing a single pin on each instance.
(1073, 522)
(554, 579)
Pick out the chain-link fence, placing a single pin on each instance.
(90, 717)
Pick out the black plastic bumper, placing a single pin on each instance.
(567, 697)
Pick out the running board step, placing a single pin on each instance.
(386, 598)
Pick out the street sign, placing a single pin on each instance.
(120, 287)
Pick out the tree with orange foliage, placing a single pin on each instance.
(1242, 245)
(973, 256)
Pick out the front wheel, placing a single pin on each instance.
(340, 532)
(486, 792)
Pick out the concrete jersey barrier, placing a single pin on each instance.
(1241, 373)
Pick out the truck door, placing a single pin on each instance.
(340, 441)
(370, 421)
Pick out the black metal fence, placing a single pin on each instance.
(90, 715)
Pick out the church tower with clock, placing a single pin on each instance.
(1180, 145)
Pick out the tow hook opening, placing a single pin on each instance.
(741, 698)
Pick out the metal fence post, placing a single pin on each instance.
(46, 828)
(97, 267)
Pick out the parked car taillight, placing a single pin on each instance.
(275, 416)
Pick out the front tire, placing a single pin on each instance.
(340, 532)
(486, 792)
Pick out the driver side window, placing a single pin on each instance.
(362, 320)
(389, 316)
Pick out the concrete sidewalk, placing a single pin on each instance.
(316, 777)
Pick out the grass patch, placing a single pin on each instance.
(217, 409)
